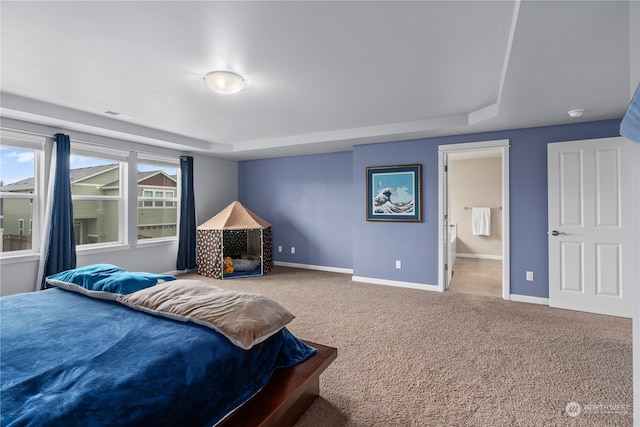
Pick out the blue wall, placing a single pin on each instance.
(377, 245)
(317, 203)
(308, 201)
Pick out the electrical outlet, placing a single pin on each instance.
(279, 248)
(530, 276)
(293, 250)
(398, 264)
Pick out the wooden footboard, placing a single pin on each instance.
(287, 395)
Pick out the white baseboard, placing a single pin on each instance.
(179, 272)
(385, 282)
(371, 280)
(314, 267)
(480, 256)
(530, 300)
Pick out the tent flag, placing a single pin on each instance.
(630, 126)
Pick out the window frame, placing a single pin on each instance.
(35, 198)
(121, 158)
(161, 162)
(127, 157)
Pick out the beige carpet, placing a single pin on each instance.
(419, 358)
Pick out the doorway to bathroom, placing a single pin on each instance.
(474, 221)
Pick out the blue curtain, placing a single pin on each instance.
(630, 126)
(187, 242)
(60, 247)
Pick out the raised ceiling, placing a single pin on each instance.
(322, 76)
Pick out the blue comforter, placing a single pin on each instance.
(68, 359)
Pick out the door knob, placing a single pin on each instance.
(556, 232)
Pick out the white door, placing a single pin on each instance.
(592, 225)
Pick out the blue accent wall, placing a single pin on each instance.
(378, 245)
(308, 200)
(317, 203)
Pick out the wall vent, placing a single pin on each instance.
(116, 114)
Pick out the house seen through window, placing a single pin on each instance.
(98, 206)
(157, 200)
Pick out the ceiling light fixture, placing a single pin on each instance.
(576, 113)
(224, 82)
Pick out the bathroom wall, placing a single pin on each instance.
(474, 183)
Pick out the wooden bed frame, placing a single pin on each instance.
(286, 396)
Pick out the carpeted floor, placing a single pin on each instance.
(419, 358)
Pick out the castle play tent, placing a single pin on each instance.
(234, 243)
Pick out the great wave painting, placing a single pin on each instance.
(394, 193)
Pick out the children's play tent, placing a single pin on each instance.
(234, 243)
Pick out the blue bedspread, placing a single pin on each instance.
(68, 359)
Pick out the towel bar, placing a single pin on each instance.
(466, 208)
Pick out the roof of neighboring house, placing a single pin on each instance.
(76, 175)
(141, 177)
(20, 185)
(80, 174)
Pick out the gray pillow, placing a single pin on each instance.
(246, 319)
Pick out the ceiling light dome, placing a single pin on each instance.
(224, 82)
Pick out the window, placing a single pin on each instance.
(100, 190)
(169, 195)
(146, 203)
(20, 160)
(96, 192)
(157, 198)
(159, 195)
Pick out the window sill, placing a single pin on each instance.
(147, 243)
(88, 250)
(8, 258)
(18, 258)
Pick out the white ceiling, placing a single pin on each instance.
(322, 76)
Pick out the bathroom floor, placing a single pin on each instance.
(477, 276)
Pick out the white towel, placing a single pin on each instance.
(481, 221)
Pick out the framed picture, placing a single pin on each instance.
(394, 193)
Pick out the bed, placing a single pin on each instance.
(93, 358)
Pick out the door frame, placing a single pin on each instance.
(443, 238)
